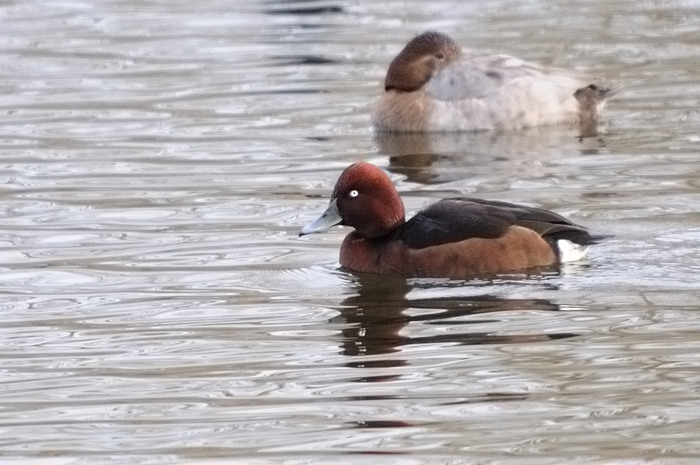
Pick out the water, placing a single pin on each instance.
(158, 159)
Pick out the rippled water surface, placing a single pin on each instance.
(158, 159)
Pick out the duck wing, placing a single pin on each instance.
(478, 76)
(458, 219)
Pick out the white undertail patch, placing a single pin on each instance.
(570, 251)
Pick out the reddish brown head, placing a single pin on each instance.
(419, 59)
(368, 201)
(363, 198)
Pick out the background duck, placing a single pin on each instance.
(433, 86)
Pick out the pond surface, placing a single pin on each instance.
(159, 158)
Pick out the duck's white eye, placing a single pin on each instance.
(353, 193)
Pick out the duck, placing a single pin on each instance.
(457, 238)
(434, 86)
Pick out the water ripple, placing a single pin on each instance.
(159, 159)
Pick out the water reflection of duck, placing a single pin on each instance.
(430, 157)
(432, 85)
(376, 318)
(454, 238)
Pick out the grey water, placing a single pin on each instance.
(158, 158)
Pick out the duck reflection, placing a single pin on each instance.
(442, 157)
(376, 317)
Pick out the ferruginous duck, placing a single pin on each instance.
(453, 238)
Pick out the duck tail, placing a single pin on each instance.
(595, 94)
(591, 100)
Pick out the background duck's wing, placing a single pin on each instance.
(458, 219)
(478, 76)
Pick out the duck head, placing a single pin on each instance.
(421, 57)
(365, 198)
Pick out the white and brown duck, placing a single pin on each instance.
(432, 85)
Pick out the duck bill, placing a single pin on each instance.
(328, 218)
